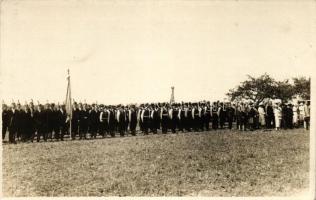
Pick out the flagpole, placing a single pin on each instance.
(70, 105)
(68, 98)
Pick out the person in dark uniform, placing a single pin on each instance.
(252, 113)
(63, 122)
(132, 115)
(188, 117)
(93, 121)
(230, 112)
(112, 121)
(157, 116)
(207, 116)
(154, 117)
(181, 118)
(75, 121)
(26, 124)
(13, 126)
(39, 120)
(120, 117)
(222, 115)
(173, 118)
(56, 121)
(104, 119)
(6, 117)
(289, 116)
(214, 116)
(164, 119)
(145, 119)
(126, 119)
(32, 122)
(50, 120)
(195, 117)
(83, 121)
(269, 116)
(139, 117)
(19, 121)
(201, 117)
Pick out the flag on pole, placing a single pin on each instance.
(69, 103)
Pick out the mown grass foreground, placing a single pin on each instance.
(215, 163)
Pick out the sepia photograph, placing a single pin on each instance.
(158, 98)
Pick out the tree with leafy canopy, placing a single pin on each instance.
(302, 87)
(263, 87)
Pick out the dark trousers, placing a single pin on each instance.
(121, 126)
(215, 121)
(181, 124)
(5, 127)
(74, 130)
(132, 126)
(12, 134)
(196, 122)
(207, 122)
(222, 121)
(173, 124)
(270, 121)
(83, 129)
(164, 124)
(41, 132)
(230, 122)
(188, 123)
(145, 125)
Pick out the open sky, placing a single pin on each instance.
(134, 51)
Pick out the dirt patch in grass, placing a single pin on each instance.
(215, 163)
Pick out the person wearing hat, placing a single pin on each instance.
(164, 116)
(75, 121)
(63, 123)
(120, 118)
(83, 121)
(93, 121)
(295, 111)
(251, 116)
(195, 117)
(154, 119)
(145, 115)
(26, 124)
(289, 116)
(230, 113)
(270, 122)
(207, 116)
(262, 115)
(40, 123)
(215, 116)
(13, 126)
(301, 114)
(112, 121)
(201, 117)
(132, 118)
(6, 117)
(181, 118)
(278, 116)
(222, 114)
(307, 111)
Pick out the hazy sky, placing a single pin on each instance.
(134, 51)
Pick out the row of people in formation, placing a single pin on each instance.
(29, 122)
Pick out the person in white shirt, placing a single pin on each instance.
(301, 114)
(307, 110)
(295, 115)
(262, 115)
(278, 116)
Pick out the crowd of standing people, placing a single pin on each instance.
(48, 122)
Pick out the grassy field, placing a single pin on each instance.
(215, 163)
